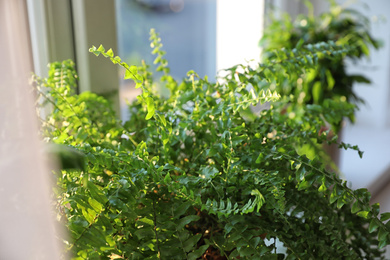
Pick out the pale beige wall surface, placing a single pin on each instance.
(26, 222)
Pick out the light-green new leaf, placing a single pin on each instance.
(151, 108)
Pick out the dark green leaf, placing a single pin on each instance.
(373, 225)
(191, 242)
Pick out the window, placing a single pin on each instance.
(199, 35)
(187, 29)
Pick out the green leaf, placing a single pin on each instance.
(89, 215)
(182, 209)
(356, 207)
(82, 201)
(385, 216)
(308, 150)
(110, 53)
(340, 203)
(150, 107)
(96, 193)
(198, 252)
(254, 242)
(259, 158)
(191, 242)
(333, 196)
(164, 137)
(116, 60)
(186, 220)
(322, 188)
(382, 234)
(208, 172)
(167, 178)
(249, 206)
(95, 205)
(309, 59)
(259, 198)
(373, 225)
(300, 174)
(134, 71)
(144, 233)
(317, 92)
(146, 221)
(382, 243)
(129, 75)
(363, 214)
(229, 205)
(162, 119)
(303, 185)
(101, 49)
(246, 251)
(330, 80)
(94, 50)
(300, 43)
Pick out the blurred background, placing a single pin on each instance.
(201, 35)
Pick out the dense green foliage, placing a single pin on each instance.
(199, 175)
(329, 79)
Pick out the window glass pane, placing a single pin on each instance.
(187, 29)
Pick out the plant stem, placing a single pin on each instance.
(155, 229)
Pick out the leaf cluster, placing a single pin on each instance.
(200, 175)
(329, 79)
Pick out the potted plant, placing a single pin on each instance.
(330, 78)
(197, 175)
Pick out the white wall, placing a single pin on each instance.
(239, 29)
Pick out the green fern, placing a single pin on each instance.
(199, 174)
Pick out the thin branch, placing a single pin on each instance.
(155, 229)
